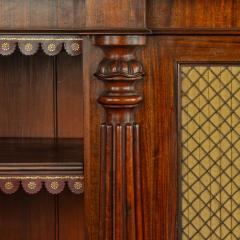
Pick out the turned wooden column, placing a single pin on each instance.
(120, 190)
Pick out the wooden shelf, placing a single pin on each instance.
(33, 162)
(40, 150)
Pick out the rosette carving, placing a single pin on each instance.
(7, 47)
(54, 176)
(33, 184)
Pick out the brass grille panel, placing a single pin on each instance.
(210, 151)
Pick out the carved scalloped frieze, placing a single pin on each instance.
(50, 44)
(7, 47)
(33, 184)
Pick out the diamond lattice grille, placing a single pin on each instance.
(210, 152)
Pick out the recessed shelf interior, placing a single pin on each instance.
(41, 132)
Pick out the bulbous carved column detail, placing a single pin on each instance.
(120, 190)
(120, 70)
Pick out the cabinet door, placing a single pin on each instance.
(191, 164)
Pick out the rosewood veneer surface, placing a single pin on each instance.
(129, 127)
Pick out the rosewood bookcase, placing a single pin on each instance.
(119, 120)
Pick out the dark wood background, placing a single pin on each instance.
(161, 21)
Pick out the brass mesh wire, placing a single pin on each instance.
(210, 151)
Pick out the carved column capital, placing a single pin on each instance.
(120, 189)
(119, 70)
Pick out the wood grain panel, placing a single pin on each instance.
(158, 119)
(25, 217)
(69, 87)
(69, 96)
(92, 120)
(193, 14)
(35, 100)
(71, 216)
(26, 89)
(158, 143)
(29, 96)
(71, 14)
(115, 14)
(34, 14)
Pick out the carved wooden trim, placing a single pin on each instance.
(120, 188)
(33, 184)
(32, 177)
(50, 44)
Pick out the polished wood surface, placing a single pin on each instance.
(157, 117)
(71, 217)
(34, 93)
(32, 14)
(42, 216)
(69, 100)
(158, 143)
(123, 13)
(25, 115)
(93, 16)
(19, 214)
(195, 14)
(92, 120)
(72, 14)
(63, 101)
(120, 189)
(159, 121)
